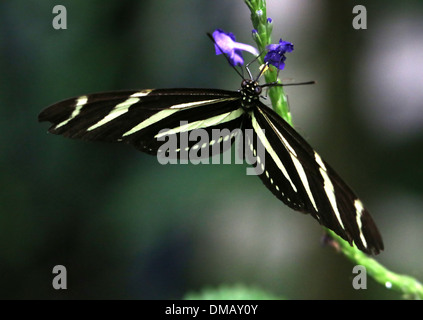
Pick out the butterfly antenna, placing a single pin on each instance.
(275, 84)
(226, 57)
(247, 67)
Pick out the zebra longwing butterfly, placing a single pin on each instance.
(293, 171)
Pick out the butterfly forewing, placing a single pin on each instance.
(140, 118)
(298, 176)
(274, 165)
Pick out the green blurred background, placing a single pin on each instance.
(126, 227)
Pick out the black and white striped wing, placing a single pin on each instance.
(298, 176)
(140, 117)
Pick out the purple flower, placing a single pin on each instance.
(276, 53)
(225, 43)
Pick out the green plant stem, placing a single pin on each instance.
(263, 38)
(408, 286)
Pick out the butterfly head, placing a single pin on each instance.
(250, 92)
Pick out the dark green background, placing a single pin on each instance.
(127, 227)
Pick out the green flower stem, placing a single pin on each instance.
(263, 39)
(408, 286)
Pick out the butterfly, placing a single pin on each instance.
(287, 165)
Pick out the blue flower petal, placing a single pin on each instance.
(276, 53)
(225, 43)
